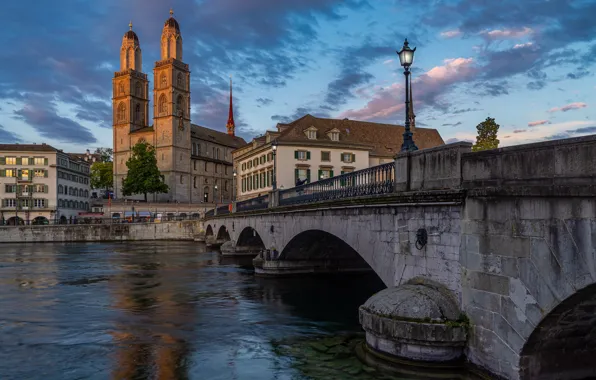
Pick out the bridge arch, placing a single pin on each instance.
(562, 345)
(222, 233)
(249, 237)
(209, 230)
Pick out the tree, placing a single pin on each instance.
(102, 175)
(106, 154)
(487, 135)
(143, 175)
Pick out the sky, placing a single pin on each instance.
(527, 63)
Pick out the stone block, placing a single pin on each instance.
(450, 239)
(489, 282)
(529, 228)
(550, 269)
(522, 321)
(508, 334)
(530, 277)
(472, 243)
(535, 208)
(505, 246)
(472, 227)
(484, 300)
(480, 317)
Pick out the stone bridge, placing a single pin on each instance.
(509, 235)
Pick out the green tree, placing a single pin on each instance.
(143, 175)
(487, 135)
(106, 154)
(102, 175)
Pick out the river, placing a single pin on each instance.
(172, 310)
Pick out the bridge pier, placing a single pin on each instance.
(229, 248)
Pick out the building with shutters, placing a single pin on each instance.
(40, 184)
(313, 148)
(195, 161)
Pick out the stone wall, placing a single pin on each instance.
(184, 230)
(528, 244)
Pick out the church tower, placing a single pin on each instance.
(230, 126)
(130, 102)
(171, 114)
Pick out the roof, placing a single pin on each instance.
(130, 35)
(221, 138)
(383, 139)
(27, 148)
(171, 22)
(83, 156)
(144, 129)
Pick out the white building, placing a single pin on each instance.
(39, 184)
(312, 148)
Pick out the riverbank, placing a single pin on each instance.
(179, 230)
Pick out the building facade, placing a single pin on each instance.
(187, 154)
(40, 184)
(312, 148)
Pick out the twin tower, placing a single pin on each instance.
(170, 132)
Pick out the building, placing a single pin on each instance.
(192, 159)
(39, 184)
(87, 156)
(312, 148)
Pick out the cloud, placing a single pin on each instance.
(568, 107)
(538, 122)
(451, 33)
(519, 131)
(8, 137)
(578, 74)
(388, 62)
(426, 88)
(454, 140)
(499, 34)
(264, 101)
(464, 110)
(492, 88)
(521, 46)
(41, 114)
(572, 133)
(451, 124)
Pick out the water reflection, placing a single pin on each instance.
(165, 310)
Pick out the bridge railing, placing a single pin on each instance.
(257, 203)
(370, 181)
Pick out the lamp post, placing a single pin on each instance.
(406, 57)
(274, 148)
(215, 196)
(234, 186)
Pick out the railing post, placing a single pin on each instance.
(273, 198)
(402, 172)
(233, 206)
(215, 211)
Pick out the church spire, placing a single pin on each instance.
(231, 126)
(412, 115)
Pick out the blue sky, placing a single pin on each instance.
(529, 64)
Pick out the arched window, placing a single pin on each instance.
(121, 116)
(86, 193)
(81, 193)
(217, 154)
(225, 185)
(163, 104)
(181, 179)
(121, 88)
(179, 105)
(164, 81)
(195, 182)
(137, 113)
(213, 151)
(206, 166)
(76, 192)
(198, 149)
(138, 90)
(86, 205)
(60, 189)
(179, 80)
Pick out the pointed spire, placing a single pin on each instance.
(231, 126)
(130, 24)
(171, 12)
(412, 115)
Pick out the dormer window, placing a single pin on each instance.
(311, 133)
(333, 134)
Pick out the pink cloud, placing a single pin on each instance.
(519, 46)
(568, 107)
(500, 34)
(451, 33)
(427, 87)
(537, 122)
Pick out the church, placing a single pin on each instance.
(195, 161)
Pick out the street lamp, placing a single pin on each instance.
(274, 148)
(234, 186)
(406, 57)
(215, 196)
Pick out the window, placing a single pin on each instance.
(198, 149)
(163, 104)
(40, 173)
(334, 136)
(194, 184)
(121, 112)
(213, 151)
(121, 88)
(302, 175)
(179, 80)
(325, 156)
(40, 188)
(164, 81)
(41, 203)
(180, 106)
(206, 194)
(38, 161)
(138, 91)
(11, 160)
(225, 185)
(216, 168)
(10, 189)
(10, 203)
(137, 113)
(226, 170)
(217, 154)
(206, 166)
(302, 155)
(325, 173)
(10, 173)
(348, 157)
(25, 174)
(312, 135)
(181, 180)
(194, 165)
(180, 156)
